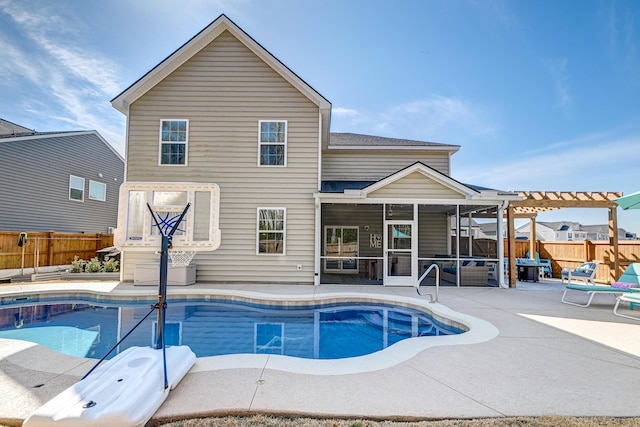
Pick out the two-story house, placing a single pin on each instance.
(340, 207)
(58, 181)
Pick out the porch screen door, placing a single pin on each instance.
(399, 251)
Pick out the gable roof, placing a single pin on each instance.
(122, 101)
(427, 171)
(354, 141)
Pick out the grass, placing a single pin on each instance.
(270, 421)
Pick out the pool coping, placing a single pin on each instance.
(478, 330)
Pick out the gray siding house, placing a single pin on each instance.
(351, 208)
(58, 181)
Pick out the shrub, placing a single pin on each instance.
(110, 265)
(77, 265)
(94, 266)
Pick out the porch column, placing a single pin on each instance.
(511, 246)
(458, 245)
(500, 247)
(470, 251)
(317, 246)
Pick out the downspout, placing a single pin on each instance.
(500, 244)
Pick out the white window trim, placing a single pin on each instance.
(91, 182)
(284, 230)
(285, 143)
(186, 144)
(83, 189)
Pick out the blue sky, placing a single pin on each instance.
(541, 95)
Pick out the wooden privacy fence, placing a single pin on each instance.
(49, 248)
(572, 254)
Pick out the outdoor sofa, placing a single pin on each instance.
(473, 273)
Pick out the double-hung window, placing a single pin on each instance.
(272, 142)
(271, 231)
(76, 188)
(97, 191)
(174, 136)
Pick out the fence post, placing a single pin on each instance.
(50, 248)
(98, 242)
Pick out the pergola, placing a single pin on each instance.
(534, 202)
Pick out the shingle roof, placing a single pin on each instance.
(10, 129)
(359, 140)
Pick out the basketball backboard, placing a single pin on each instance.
(198, 231)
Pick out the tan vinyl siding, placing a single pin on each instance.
(224, 91)
(375, 164)
(432, 235)
(414, 186)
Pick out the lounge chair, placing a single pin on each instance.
(633, 299)
(628, 282)
(586, 273)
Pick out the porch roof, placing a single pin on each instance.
(340, 186)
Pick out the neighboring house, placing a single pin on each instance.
(58, 181)
(350, 208)
(554, 231)
(11, 129)
(477, 231)
(567, 231)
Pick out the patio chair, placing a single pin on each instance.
(628, 282)
(586, 273)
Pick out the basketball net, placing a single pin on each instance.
(181, 258)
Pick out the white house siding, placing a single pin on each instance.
(415, 186)
(375, 164)
(224, 91)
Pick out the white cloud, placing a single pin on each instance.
(579, 167)
(434, 118)
(558, 69)
(72, 78)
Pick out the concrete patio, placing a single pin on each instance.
(549, 358)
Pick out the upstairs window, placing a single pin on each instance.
(174, 135)
(272, 141)
(76, 188)
(97, 191)
(271, 229)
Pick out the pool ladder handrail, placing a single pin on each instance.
(431, 267)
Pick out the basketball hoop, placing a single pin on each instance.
(181, 258)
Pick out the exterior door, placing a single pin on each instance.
(399, 248)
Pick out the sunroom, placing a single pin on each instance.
(392, 231)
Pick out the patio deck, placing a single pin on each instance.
(548, 359)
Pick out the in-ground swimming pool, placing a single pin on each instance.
(87, 328)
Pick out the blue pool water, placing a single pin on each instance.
(90, 329)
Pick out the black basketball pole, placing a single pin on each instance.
(161, 306)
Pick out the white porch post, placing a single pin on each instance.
(470, 236)
(317, 246)
(458, 272)
(500, 246)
